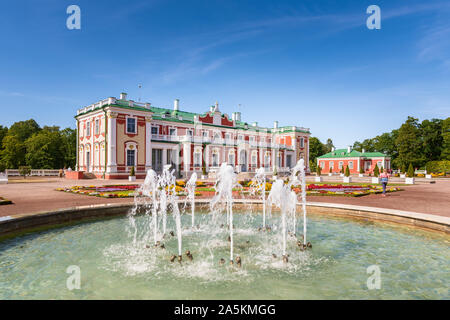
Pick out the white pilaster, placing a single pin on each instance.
(112, 141)
(148, 141)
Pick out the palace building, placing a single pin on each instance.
(335, 160)
(114, 135)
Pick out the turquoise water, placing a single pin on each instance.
(414, 264)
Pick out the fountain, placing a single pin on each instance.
(226, 180)
(259, 186)
(190, 187)
(124, 264)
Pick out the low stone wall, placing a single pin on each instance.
(38, 221)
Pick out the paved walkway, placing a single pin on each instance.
(41, 196)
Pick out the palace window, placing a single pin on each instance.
(131, 125)
(350, 164)
(331, 165)
(231, 158)
(341, 164)
(302, 143)
(227, 136)
(131, 157)
(267, 160)
(197, 159)
(380, 164)
(240, 137)
(155, 130)
(254, 159)
(215, 159)
(322, 164)
(88, 128)
(189, 132)
(172, 132)
(97, 126)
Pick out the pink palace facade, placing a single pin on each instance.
(114, 135)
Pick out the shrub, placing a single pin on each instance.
(331, 171)
(376, 171)
(410, 173)
(2, 166)
(24, 171)
(204, 170)
(361, 170)
(342, 169)
(432, 166)
(319, 170)
(347, 171)
(132, 172)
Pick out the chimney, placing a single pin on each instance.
(176, 104)
(275, 124)
(236, 116)
(123, 96)
(255, 124)
(363, 150)
(349, 149)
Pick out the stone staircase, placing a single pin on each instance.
(89, 175)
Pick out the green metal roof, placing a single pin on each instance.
(343, 153)
(188, 117)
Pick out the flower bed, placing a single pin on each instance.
(4, 201)
(129, 191)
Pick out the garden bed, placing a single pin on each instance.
(208, 191)
(4, 201)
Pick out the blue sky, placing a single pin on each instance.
(307, 63)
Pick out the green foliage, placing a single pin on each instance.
(445, 154)
(410, 173)
(329, 145)
(342, 169)
(331, 171)
(25, 143)
(436, 166)
(204, 170)
(319, 170)
(3, 133)
(414, 142)
(376, 171)
(2, 167)
(132, 172)
(316, 149)
(347, 171)
(361, 169)
(24, 171)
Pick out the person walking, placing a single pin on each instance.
(384, 176)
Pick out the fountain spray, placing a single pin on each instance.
(226, 180)
(259, 185)
(190, 187)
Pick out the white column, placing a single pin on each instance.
(164, 156)
(186, 156)
(274, 159)
(206, 155)
(148, 141)
(112, 141)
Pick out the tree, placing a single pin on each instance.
(432, 139)
(347, 171)
(44, 149)
(13, 154)
(319, 170)
(445, 153)
(361, 169)
(316, 149)
(329, 145)
(409, 144)
(376, 171)
(24, 171)
(69, 147)
(410, 173)
(3, 133)
(24, 129)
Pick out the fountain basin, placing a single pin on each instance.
(413, 262)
